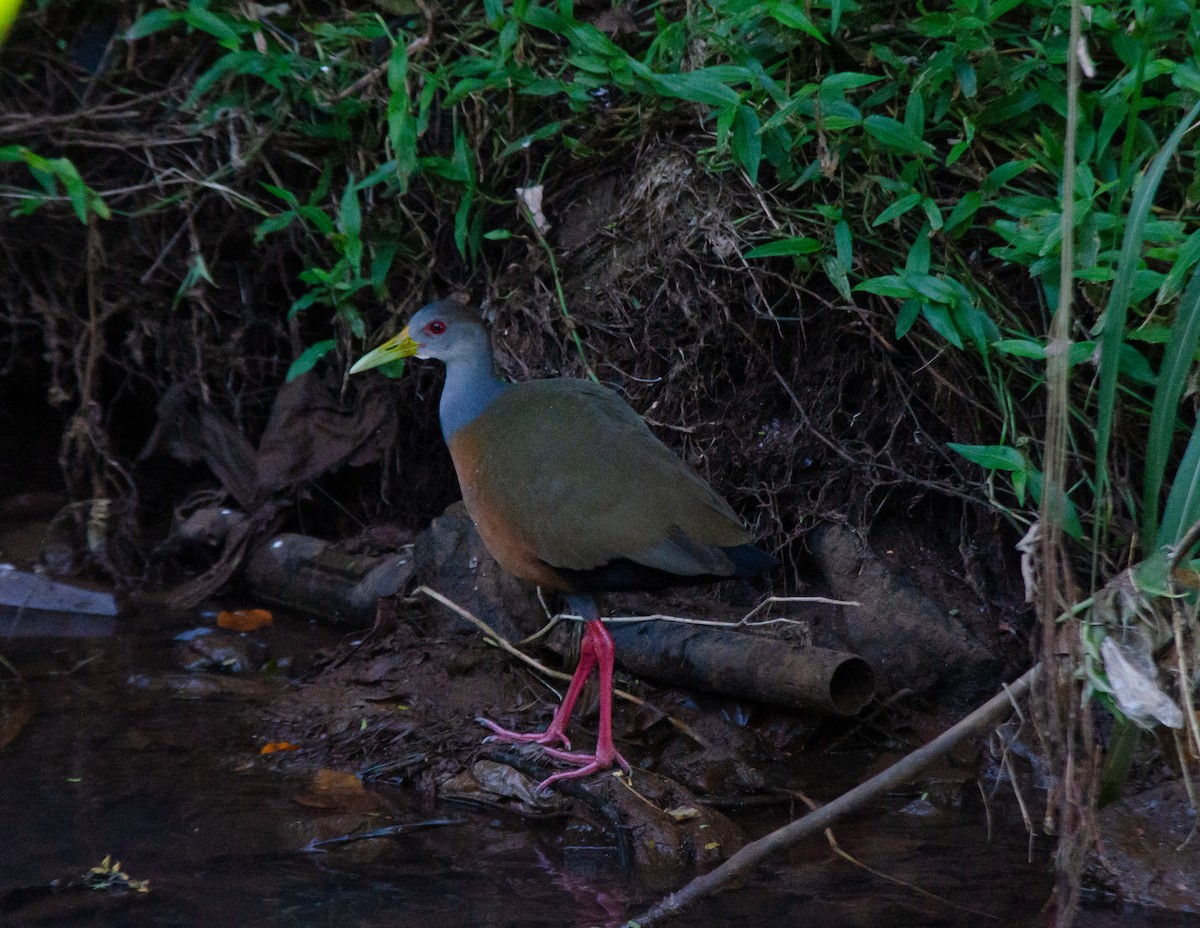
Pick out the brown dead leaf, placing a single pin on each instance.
(328, 780)
(507, 782)
(244, 620)
(337, 789)
(274, 747)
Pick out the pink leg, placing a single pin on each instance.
(596, 650)
(557, 731)
(598, 642)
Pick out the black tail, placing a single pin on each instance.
(749, 560)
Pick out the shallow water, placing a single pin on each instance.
(173, 787)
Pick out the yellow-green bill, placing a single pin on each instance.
(8, 12)
(394, 349)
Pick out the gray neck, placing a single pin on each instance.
(471, 384)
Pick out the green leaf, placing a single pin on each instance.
(974, 323)
(897, 209)
(933, 288)
(939, 317)
(725, 117)
(302, 303)
(317, 218)
(1186, 258)
(214, 25)
(353, 319)
(445, 168)
(964, 211)
(896, 136)
(98, 206)
(836, 8)
(793, 17)
(271, 225)
(917, 260)
(1020, 348)
(1070, 514)
(1152, 576)
(1172, 379)
(836, 273)
(837, 266)
(888, 285)
(1183, 502)
(383, 254)
(197, 271)
(959, 148)
(964, 73)
(401, 124)
(1003, 174)
(914, 112)
(462, 218)
(493, 11)
(796, 245)
(1135, 366)
(377, 176)
(932, 213)
(747, 144)
(397, 70)
(349, 213)
(550, 130)
(837, 83)
(844, 244)
(695, 87)
(910, 311)
(77, 190)
(152, 22)
(286, 195)
(402, 135)
(309, 357)
(227, 64)
(993, 457)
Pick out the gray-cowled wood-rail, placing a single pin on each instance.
(570, 490)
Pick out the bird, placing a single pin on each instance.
(570, 490)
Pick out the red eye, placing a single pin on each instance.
(437, 327)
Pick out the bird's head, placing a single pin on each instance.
(446, 330)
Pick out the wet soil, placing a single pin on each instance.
(125, 754)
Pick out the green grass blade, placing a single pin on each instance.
(1183, 504)
(1172, 379)
(1120, 296)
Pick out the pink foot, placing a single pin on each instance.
(549, 736)
(591, 763)
(596, 650)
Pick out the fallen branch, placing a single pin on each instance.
(746, 666)
(896, 775)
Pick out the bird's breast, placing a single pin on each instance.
(502, 528)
